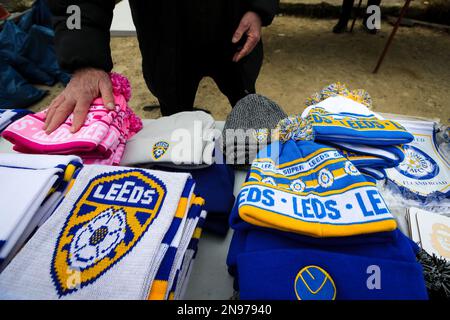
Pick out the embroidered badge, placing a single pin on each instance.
(314, 283)
(350, 169)
(261, 135)
(159, 149)
(298, 185)
(325, 178)
(417, 164)
(107, 221)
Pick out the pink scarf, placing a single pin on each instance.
(102, 138)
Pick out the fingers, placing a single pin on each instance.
(79, 114)
(52, 108)
(248, 47)
(251, 25)
(242, 28)
(106, 92)
(60, 115)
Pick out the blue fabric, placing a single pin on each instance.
(40, 50)
(374, 173)
(394, 157)
(16, 92)
(270, 264)
(372, 161)
(358, 129)
(39, 15)
(27, 54)
(214, 184)
(13, 40)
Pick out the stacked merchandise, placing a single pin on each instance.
(185, 142)
(167, 284)
(248, 129)
(32, 186)
(8, 116)
(309, 225)
(180, 283)
(424, 175)
(120, 233)
(341, 118)
(101, 140)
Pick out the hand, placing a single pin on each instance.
(251, 26)
(85, 85)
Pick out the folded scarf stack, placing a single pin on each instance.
(119, 233)
(179, 286)
(101, 140)
(424, 174)
(168, 282)
(185, 142)
(8, 116)
(309, 226)
(342, 119)
(32, 186)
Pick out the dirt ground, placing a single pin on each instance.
(302, 56)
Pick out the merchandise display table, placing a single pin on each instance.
(210, 278)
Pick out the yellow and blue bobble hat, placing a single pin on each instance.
(299, 186)
(340, 89)
(340, 115)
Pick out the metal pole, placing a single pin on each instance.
(391, 37)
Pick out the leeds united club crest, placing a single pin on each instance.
(417, 164)
(109, 218)
(314, 283)
(159, 149)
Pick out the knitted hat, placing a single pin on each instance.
(341, 119)
(275, 267)
(299, 186)
(185, 138)
(248, 127)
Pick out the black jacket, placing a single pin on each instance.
(165, 28)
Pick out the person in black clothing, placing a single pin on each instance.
(180, 41)
(346, 13)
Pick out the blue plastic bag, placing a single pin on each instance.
(39, 14)
(12, 43)
(15, 91)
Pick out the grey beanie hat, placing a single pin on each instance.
(248, 128)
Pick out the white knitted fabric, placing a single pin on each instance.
(36, 161)
(22, 193)
(101, 240)
(26, 181)
(184, 138)
(340, 104)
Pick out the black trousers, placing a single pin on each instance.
(347, 7)
(181, 42)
